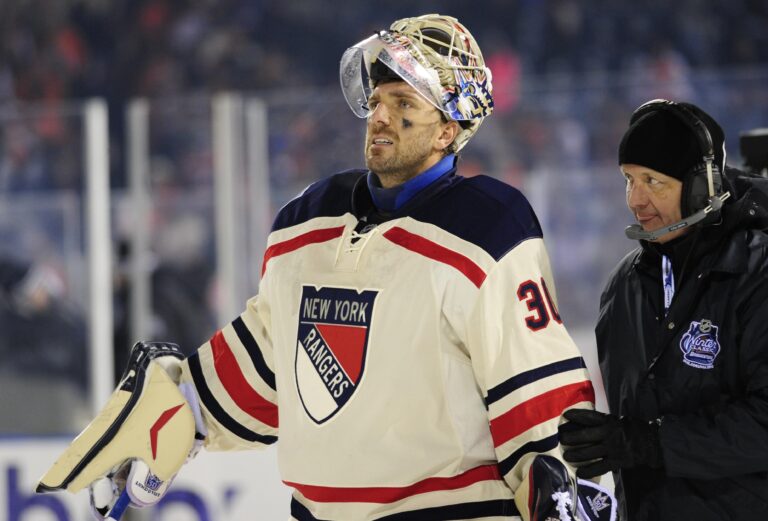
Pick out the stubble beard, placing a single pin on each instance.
(401, 164)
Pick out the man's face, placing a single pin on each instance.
(405, 134)
(654, 199)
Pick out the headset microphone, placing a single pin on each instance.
(636, 232)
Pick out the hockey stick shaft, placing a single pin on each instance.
(117, 511)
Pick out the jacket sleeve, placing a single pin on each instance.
(728, 438)
(526, 364)
(234, 379)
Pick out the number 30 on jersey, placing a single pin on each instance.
(536, 296)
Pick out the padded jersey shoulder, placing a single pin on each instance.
(329, 197)
(484, 211)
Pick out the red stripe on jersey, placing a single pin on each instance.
(539, 409)
(393, 494)
(434, 251)
(313, 237)
(237, 386)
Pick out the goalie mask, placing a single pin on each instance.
(435, 55)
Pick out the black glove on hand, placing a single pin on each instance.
(597, 443)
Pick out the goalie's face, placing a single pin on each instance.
(405, 134)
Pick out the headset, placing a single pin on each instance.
(702, 195)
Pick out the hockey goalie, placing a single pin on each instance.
(405, 346)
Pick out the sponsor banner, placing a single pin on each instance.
(213, 487)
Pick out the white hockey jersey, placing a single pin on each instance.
(411, 365)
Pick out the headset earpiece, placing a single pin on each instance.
(695, 194)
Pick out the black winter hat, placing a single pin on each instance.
(661, 140)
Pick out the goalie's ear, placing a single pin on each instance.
(146, 418)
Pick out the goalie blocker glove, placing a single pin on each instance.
(129, 454)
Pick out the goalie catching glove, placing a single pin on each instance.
(129, 454)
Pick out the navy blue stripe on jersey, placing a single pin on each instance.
(477, 510)
(257, 358)
(528, 377)
(481, 210)
(301, 513)
(218, 412)
(536, 446)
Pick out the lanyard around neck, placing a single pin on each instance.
(668, 280)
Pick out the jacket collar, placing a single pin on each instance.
(733, 254)
(725, 252)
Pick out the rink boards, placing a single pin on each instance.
(213, 487)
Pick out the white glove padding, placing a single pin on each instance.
(135, 478)
(103, 495)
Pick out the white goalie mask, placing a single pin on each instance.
(435, 55)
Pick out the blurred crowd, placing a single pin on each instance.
(51, 52)
(55, 52)
(567, 74)
(125, 48)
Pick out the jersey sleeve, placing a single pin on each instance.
(526, 364)
(233, 375)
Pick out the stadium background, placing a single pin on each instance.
(206, 116)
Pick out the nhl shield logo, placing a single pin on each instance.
(331, 347)
(700, 345)
(153, 482)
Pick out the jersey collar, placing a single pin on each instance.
(392, 199)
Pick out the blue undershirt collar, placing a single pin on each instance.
(392, 199)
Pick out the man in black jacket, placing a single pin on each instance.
(682, 335)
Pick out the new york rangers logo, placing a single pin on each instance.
(331, 347)
(699, 345)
